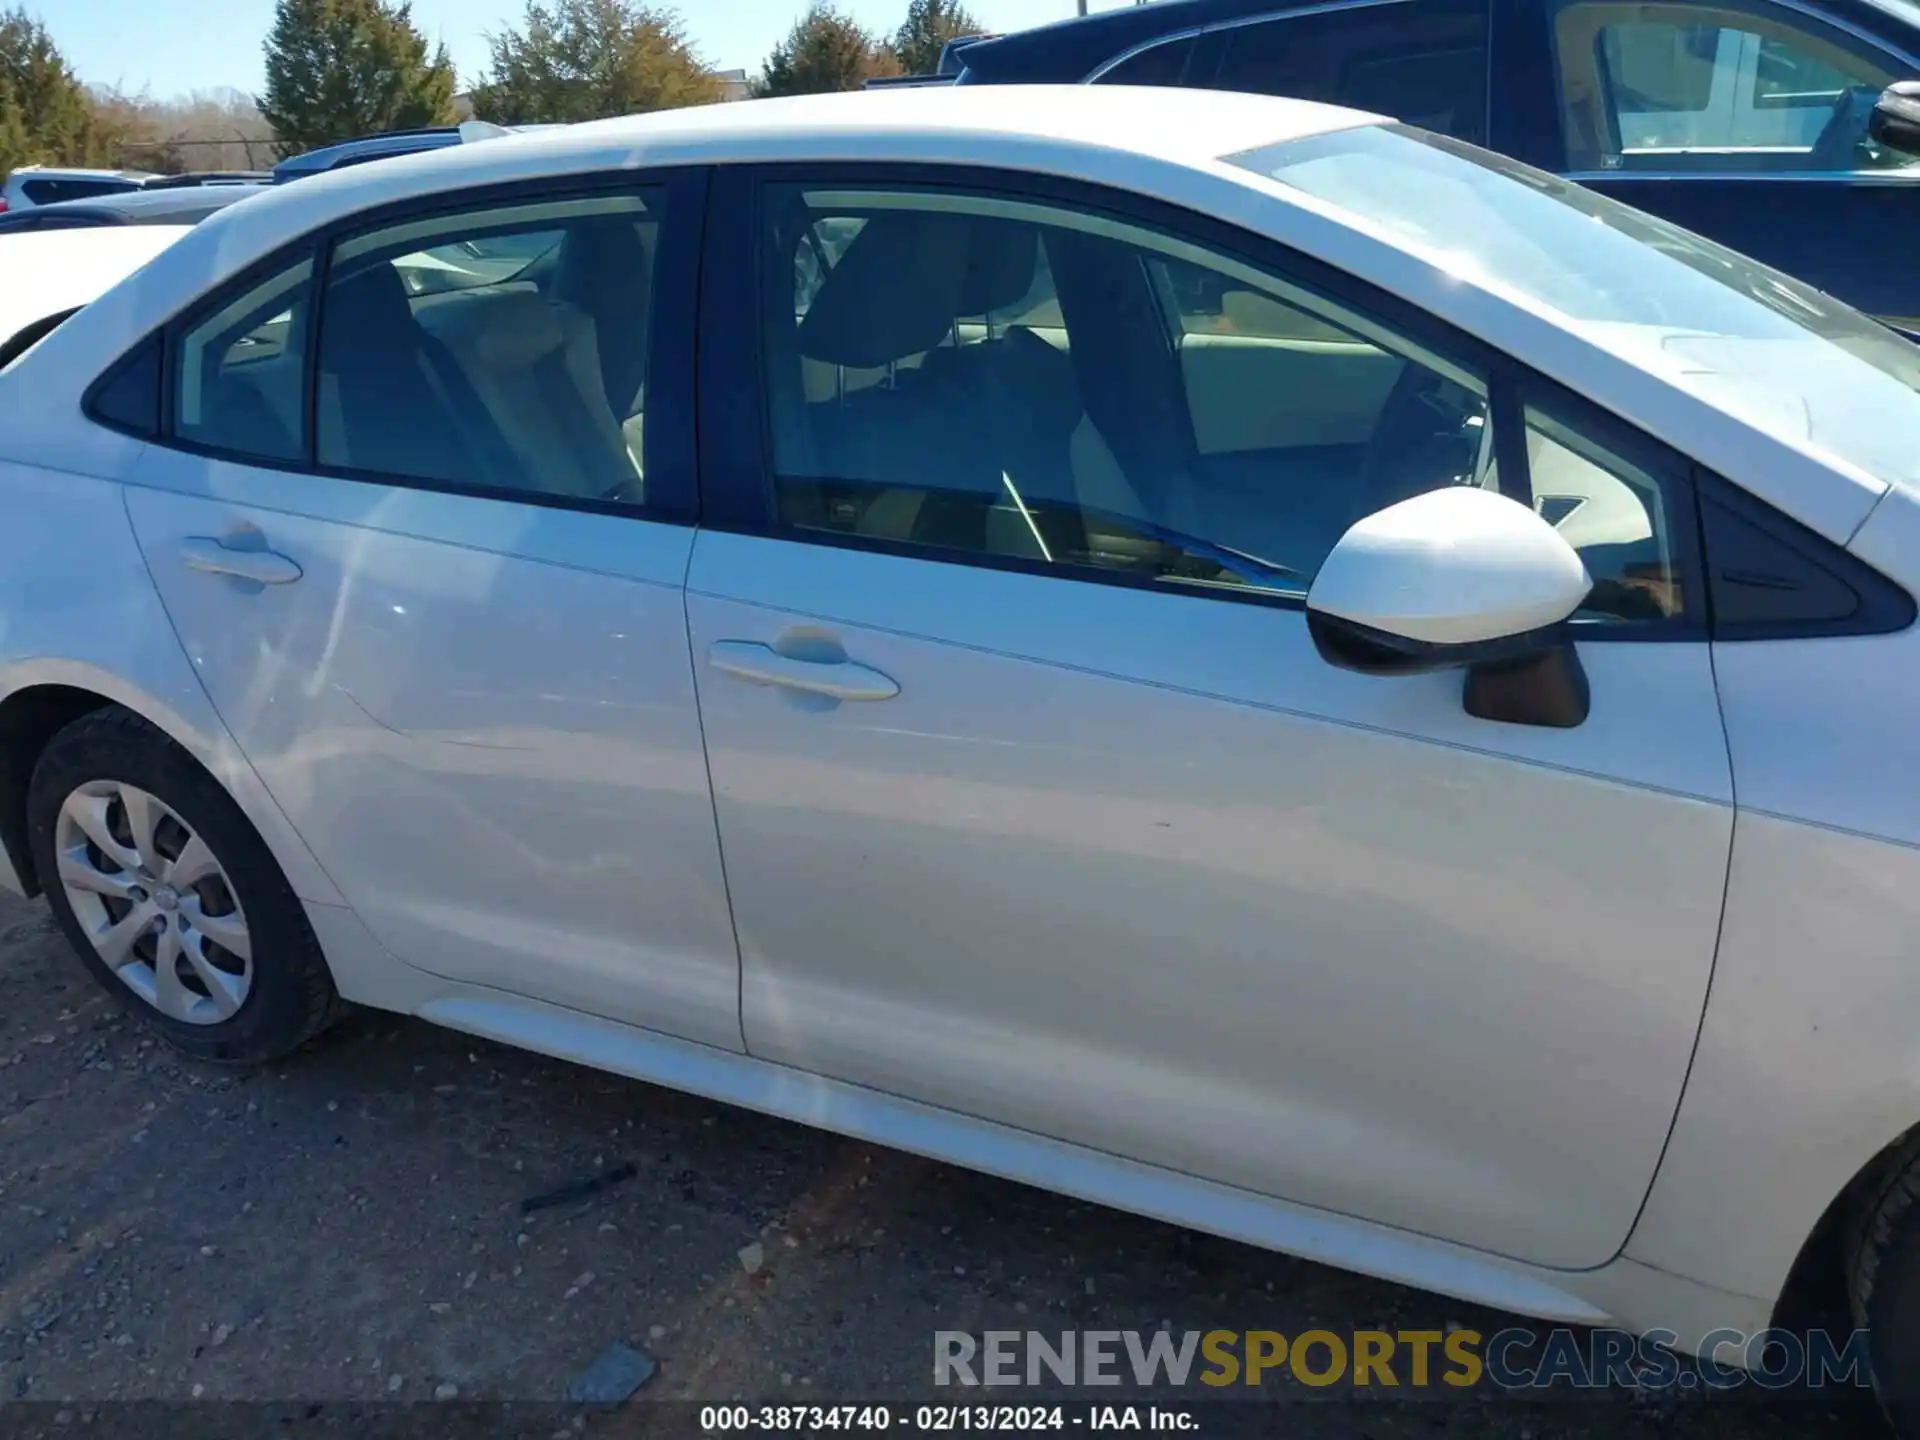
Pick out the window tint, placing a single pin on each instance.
(503, 349)
(1730, 90)
(1425, 63)
(239, 372)
(48, 192)
(985, 376)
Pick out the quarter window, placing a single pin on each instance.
(1667, 87)
(502, 349)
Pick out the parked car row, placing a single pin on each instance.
(1246, 661)
(34, 198)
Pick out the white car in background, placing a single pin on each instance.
(45, 277)
(1215, 654)
(28, 185)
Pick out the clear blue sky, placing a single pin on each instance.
(169, 47)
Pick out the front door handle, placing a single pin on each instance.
(835, 679)
(263, 567)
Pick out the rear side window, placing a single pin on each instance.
(1423, 63)
(239, 372)
(502, 349)
(48, 192)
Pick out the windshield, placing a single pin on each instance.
(1781, 355)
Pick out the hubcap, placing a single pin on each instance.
(155, 902)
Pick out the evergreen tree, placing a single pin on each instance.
(587, 59)
(826, 50)
(929, 25)
(45, 117)
(341, 68)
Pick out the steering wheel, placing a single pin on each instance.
(1839, 144)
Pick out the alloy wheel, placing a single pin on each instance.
(155, 901)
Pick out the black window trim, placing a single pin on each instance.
(1886, 607)
(675, 316)
(736, 445)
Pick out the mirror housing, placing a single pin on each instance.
(1895, 122)
(1458, 578)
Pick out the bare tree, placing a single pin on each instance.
(205, 130)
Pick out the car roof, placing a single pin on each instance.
(1051, 129)
(45, 272)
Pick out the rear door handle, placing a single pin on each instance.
(763, 665)
(263, 567)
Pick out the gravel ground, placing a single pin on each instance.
(345, 1229)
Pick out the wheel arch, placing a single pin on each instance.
(41, 697)
(1815, 1294)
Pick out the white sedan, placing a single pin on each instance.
(1216, 654)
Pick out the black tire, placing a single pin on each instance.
(1883, 1289)
(292, 997)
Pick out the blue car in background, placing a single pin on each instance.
(1788, 129)
(387, 144)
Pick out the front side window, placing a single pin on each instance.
(1420, 61)
(1683, 88)
(499, 349)
(980, 376)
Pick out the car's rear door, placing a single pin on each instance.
(1743, 120)
(427, 557)
(1036, 800)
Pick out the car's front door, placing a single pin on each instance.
(1036, 800)
(1743, 120)
(428, 563)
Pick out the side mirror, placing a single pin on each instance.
(1459, 578)
(1895, 122)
